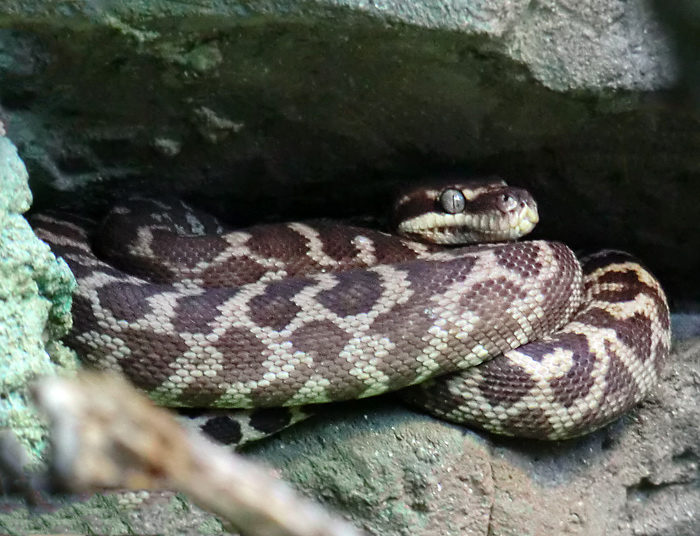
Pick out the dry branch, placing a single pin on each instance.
(105, 435)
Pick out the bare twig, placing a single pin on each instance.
(106, 435)
(14, 476)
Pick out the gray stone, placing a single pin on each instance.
(686, 325)
(682, 19)
(280, 110)
(266, 110)
(398, 473)
(395, 472)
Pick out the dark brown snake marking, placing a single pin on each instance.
(294, 314)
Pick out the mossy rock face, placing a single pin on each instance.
(279, 110)
(35, 298)
(273, 110)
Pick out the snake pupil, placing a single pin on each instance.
(452, 201)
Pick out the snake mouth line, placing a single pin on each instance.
(454, 229)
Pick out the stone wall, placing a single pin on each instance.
(263, 111)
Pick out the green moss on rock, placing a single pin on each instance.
(35, 300)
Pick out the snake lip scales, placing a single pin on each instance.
(518, 338)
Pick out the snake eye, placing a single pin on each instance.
(452, 201)
(507, 202)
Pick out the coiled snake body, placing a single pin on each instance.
(513, 337)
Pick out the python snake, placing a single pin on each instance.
(518, 338)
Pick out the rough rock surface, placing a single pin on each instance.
(399, 473)
(394, 472)
(266, 110)
(269, 110)
(35, 292)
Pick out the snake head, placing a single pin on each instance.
(464, 211)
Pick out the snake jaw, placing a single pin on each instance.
(491, 212)
(525, 221)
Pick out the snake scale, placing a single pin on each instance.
(518, 338)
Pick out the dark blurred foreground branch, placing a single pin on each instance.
(105, 435)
